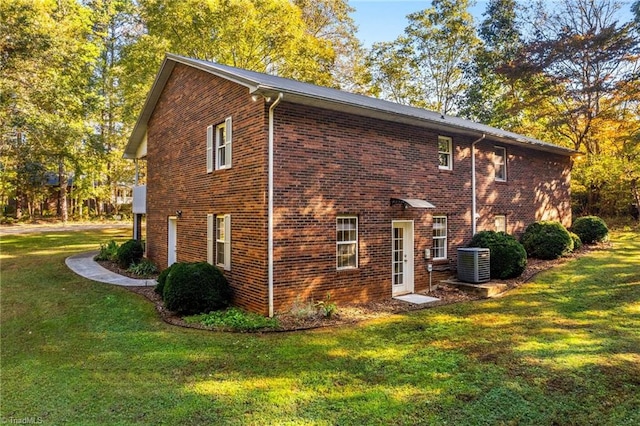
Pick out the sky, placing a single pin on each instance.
(385, 20)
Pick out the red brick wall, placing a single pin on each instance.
(326, 164)
(329, 164)
(178, 178)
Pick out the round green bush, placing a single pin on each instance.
(129, 252)
(547, 240)
(590, 229)
(577, 242)
(162, 280)
(508, 258)
(195, 288)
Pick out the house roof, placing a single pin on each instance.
(328, 98)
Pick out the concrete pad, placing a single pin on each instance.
(84, 265)
(489, 289)
(417, 299)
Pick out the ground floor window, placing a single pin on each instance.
(439, 237)
(347, 242)
(500, 221)
(223, 241)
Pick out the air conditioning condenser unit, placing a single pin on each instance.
(474, 265)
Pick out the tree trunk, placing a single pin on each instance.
(62, 194)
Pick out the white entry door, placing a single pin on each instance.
(402, 257)
(172, 241)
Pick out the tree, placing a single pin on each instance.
(579, 56)
(437, 44)
(47, 57)
(490, 97)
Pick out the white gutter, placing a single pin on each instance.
(270, 206)
(474, 212)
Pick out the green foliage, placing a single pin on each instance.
(143, 268)
(590, 229)
(547, 240)
(508, 258)
(424, 66)
(577, 242)
(195, 288)
(162, 279)
(129, 252)
(108, 251)
(326, 307)
(234, 319)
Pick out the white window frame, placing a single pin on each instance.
(437, 222)
(500, 163)
(344, 242)
(448, 153)
(500, 218)
(223, 241)
(223, 144)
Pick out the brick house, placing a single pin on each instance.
(298, 191)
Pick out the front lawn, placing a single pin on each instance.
(564, 349)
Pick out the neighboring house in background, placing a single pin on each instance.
(298, 191)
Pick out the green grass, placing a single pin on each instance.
(562, 350)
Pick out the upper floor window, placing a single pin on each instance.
(500, 163)
(445, 150)
(439, 237)
(219, 140)
(347, 242)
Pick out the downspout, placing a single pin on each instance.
(270, 206)
(474, 207)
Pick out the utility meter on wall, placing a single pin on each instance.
(427, 254)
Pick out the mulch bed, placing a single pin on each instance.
(350, 314)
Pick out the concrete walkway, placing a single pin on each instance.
(84, 265)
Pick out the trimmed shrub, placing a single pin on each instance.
(577, 242)
(162, 280)
(129, 253)
(590, 229)
(195, 288)
(508, 258)
(547, 240)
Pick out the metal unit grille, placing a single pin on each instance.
(474, 265)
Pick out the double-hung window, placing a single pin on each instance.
(219, 144)
(439, 237)
(500, 222)
(219, 240)
(500, 163)
(347, 242)
(445, 150)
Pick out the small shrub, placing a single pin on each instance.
(547, 240)
(108, 251)
(234, 319)
(303, 309)
(590, 229)
(577, 242)
(508, 258)
(143, 268)
(195, 288)
(129, 252)
(326, 307)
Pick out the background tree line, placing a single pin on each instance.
(74, 75)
